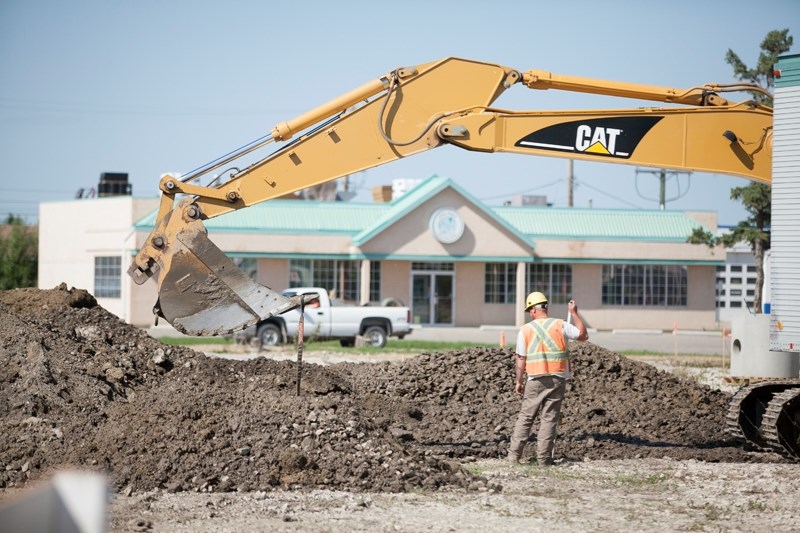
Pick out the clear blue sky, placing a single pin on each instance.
(154, 86)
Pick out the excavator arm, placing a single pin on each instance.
(411, 110)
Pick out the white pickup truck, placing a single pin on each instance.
(326, 320)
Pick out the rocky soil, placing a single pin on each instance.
(182, 437)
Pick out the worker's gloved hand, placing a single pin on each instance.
(572, 306)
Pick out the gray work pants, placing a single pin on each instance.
(545, 393)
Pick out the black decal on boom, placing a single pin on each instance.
(615, 137)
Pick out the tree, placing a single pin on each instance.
(756, 197)
(774, 44)
(19, 254)
(754, 230)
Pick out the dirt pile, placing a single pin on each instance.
(80, 388)
(460, 404)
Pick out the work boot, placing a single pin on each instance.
(513, 457)
(546, 461)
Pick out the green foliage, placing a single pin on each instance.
(19, 254)
(774, 44)
(703, 236)
(757, 201)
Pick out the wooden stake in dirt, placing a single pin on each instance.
(300, 327)
(675, 336)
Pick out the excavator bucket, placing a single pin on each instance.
(201, 291)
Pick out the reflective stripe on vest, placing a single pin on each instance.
(545, 347)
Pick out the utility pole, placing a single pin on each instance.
(570, 182)
(662, 175)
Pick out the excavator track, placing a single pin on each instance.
(782, 422)
(768, 415)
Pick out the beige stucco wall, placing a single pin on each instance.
(274, 273)
(281, 243)
(627, 250)
(482, 237)
(396, 280)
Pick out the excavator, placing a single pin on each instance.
(448, 102)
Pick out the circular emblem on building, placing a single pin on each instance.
(446, 225)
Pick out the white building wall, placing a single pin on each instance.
(736, 283)
(73, 233)
(785, 274)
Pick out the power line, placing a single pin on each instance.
(62, 107)
(38, 191)
(532, 189)
(609, 195)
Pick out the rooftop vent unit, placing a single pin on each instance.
(114, 184)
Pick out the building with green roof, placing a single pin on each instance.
(457, 262)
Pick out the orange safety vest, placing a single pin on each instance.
(545, 347)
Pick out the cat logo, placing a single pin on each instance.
(606, 137)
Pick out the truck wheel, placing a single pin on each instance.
(270, 335)
(375, 336)
(347, 343)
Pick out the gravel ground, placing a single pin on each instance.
(191, 442)
(621, 495)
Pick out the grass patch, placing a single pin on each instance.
(682, 360)
(395, 346)
(311, 345)
(474, 469)
(414, 346)
(633, 354)
(193, 341)
(756, 506)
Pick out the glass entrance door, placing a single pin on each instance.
(432, 298)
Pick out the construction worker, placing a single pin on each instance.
(542, 354)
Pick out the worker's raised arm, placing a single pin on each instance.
(572, 307)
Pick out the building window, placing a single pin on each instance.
(554, 280)
(645, 285)
(751, 268)
(107, 277)
(248, 265)
(735, 303)
(736, 281)
(499, 283)
(341, 278)
(374, 281)
(447, 267)
(736, 268)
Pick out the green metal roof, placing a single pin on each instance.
(364, 221)
(291, 216)
(599, 224)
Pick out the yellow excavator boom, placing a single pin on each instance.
(411, 110)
